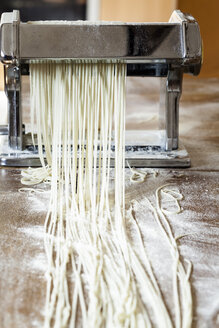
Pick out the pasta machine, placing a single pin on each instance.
(165, 50)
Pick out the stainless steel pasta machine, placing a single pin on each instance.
(165, 50)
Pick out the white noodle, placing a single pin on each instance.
(95, 276)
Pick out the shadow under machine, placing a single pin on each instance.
(165, 50)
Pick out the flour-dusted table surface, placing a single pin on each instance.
(22, 257)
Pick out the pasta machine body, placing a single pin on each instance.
(165, 50)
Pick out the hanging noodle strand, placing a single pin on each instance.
(95, 276)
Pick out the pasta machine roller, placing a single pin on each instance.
(165, 50)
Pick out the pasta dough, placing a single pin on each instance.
(95, 277)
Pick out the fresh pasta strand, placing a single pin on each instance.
(31, 191)
(139, 176)
(181, 284)
(95, 277)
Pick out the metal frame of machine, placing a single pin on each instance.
(165, 50)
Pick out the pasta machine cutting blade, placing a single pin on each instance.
(165, 50)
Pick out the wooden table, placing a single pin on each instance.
(22, 258)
